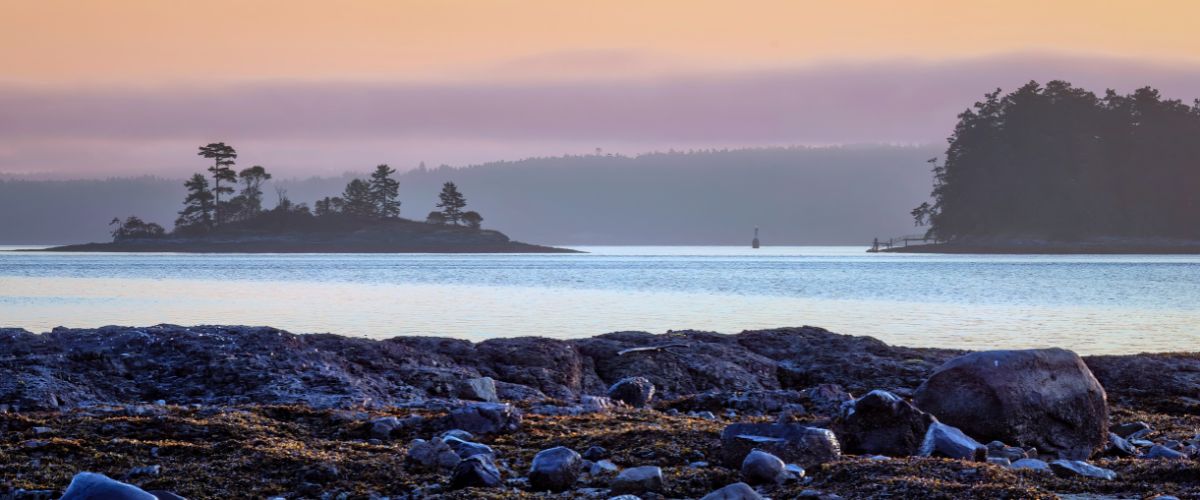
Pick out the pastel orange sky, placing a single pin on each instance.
(92, 88)
(57, 41)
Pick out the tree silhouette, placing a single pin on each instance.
(1058, 162)
(198, 207)
(473, 219)
(435, 217)
(356, 199)
(252, 179)
(384, 192)
(223, 159)
(134, 227)
(451, 202)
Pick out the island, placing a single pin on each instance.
(365, 218)
(1058, 169)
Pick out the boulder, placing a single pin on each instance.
(1117, 445)
(479, 389)
(1000, 450)
(465, 449)
(1160, 451)
(433, 455)
(761, 467)
(486, 418)
(478, 471)
(518, 392)
(1069, 468)
(1045, 398)
(633, 391)
(880, 423)
(638, 480)
(92, 486)
(555, 469)
(603, 467)
(942, 440)
(595, 453)
(1031, 464)
(1131, 430)
(382, 427)
(793, 443)
(735, 491)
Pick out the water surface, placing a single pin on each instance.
(1103, 303)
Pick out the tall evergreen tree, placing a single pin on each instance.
(223, 160)
(356, 199)
(452, 203)
(198, 207)
(385, 192)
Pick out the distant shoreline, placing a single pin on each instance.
(1054, 248)
(310, 247)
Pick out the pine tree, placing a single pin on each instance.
(452, 202)
(198, 207)
(222, 157)
(356, 199)
(384, 192)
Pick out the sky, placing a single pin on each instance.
(104, 88)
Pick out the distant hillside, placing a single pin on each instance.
(842, 195)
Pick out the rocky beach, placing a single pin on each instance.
(254, 412)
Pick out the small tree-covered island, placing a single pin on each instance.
(226, 214)
(1057, 169)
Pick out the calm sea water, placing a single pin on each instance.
(1093, 304)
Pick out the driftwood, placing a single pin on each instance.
(623, 352)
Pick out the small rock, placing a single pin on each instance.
(794, 472)
(479, 389)
(42, 430)
(595, 453)
(1140, 442)
(947, 441)
(625, 497)
(1001, 450)
(1119, 446)
(698, 465)
(165, 495)
(706, 415)
(793, 443)
(1001, 461)
(761, 467)
(458, 433)
(465, 449)
(1162, 452)
(638, 480)
(595, 404)
(92, 486)
(148, 470)
(486, 418)
(1031, 464)
(478, 471)
(633, 391)
(432, 455)
(603, 468)
(381, 428)
(735, 491)
(1068, 468)
(555, 469)
(1129, 429)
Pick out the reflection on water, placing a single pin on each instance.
(1088, 303)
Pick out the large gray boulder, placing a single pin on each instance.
(92, 486)
(881, 423)
(1045, 398)
(555, 469)
(479, 389)
(793, 443)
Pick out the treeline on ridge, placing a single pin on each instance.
(1059, 162)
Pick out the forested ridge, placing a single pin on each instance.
(1061, 163)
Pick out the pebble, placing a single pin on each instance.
(638, 480)
(1067, 468)
(1159, 451)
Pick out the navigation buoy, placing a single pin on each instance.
(754, 243)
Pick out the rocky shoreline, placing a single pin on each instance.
(252, 412)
